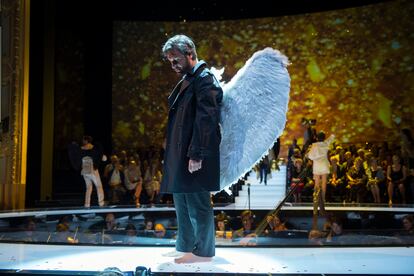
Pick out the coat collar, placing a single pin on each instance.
(195, 68)
(184, 83)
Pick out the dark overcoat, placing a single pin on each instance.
(193, 131)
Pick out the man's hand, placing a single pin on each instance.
(249, 240)
(194, 165)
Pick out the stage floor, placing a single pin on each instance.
(312, 260)
(119, 209)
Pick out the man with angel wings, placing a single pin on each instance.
(215, 135)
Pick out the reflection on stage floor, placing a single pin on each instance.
(372, 242)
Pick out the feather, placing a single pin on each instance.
(253, 113)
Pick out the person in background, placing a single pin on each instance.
(130, 234)
(356, 180)
(246, 235)
(264, 169)
(407, 155)
(148, 228)
(298, 179)
(63, 233)
(159, 231)
(274, 224)
(88, 157)
(133, 182)
(30, 233)
(336, 179)
(116, 181)
(375, 178)
(110, 222)
(318, 153)
(335, 230)
(396, 176)
(222, 230)
(408, 224)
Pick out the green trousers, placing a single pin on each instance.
(195, 219)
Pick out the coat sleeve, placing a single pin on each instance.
(208, 95)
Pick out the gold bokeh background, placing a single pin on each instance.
(351, 70)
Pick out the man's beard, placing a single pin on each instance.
(185, 69)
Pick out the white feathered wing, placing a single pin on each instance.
(253, 114)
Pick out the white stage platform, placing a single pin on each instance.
(286, 207)
(375, 260)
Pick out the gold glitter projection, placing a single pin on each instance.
(352, 70)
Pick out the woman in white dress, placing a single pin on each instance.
(318, 153)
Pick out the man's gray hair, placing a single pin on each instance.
(181, 43)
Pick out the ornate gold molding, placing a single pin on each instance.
(15, 76)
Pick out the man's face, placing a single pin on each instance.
(407, 224)
(220, 225)
(179, 63)
(336, 228)
(247, 222)
(149, 225)
(110, 222)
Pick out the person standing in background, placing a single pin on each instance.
(318, 153)
(88, 157)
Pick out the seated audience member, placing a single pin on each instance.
(153, 188)
(375, 179)
(336, 180)
(406, 235)
(361, 154)
(298, 179)
(147, 184)
(340, 153)
(111, 231)
(408, 224)
(349, 161)
(30, 233)
(246, 235)
(160, 231)
(222, 230)
(356, 181)
(130, 234)
(133, 182)
(63, 233)
(274, 224)
(335, 230)
(148, 229)
(396, 176)
(116, 181)
(149, 187)
(110, 222)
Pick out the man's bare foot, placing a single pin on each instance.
(191, 258)
(174, 253)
